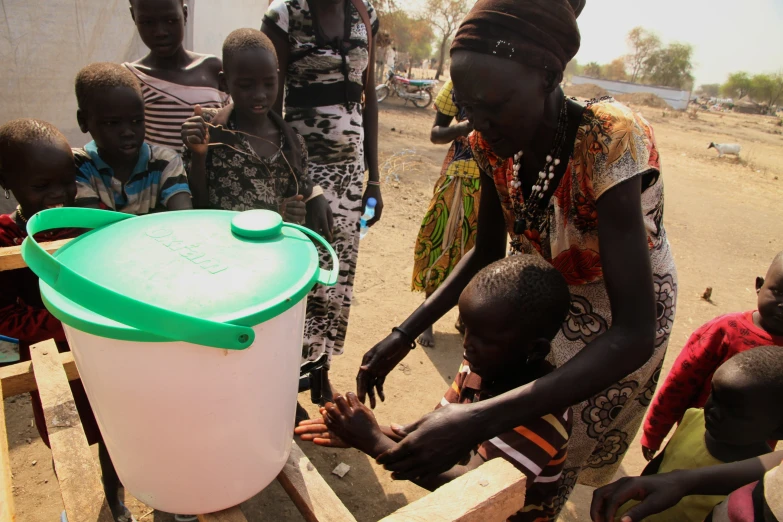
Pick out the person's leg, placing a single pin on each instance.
(427, 339)
(111, 486)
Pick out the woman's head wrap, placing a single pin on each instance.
(538, 33)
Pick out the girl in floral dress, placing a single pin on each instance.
(448, 229)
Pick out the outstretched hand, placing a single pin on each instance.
(355, 424)
(316, 431)
(656, 493)
(377, 364)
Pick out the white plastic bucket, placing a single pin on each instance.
(226, 415)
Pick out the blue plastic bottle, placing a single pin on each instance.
(369, 213)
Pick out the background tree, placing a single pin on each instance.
(767, 88)
(615, 71)
(445, 16)
(670, 67)
(409, 34)
(573, 69)
(737, 86)
(593, 70)
(710, 90)
(643, 44)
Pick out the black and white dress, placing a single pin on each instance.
(324, 85)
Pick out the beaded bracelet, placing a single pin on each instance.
(406, 335)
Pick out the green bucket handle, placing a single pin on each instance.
(168, 324)
(325, 277)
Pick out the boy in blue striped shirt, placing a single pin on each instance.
(118, 170)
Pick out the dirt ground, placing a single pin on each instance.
(721, 221)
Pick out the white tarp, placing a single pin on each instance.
(43, 44)
(676, 98)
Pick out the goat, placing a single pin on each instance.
(725, 148)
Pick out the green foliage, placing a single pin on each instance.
(670, 66)
(614, 71)
(445, 17)
(408, 34)
(643, 44)
(766, 88)
(573, 69)
(592, 69)
(737, 86)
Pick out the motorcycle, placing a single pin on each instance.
(417, 91)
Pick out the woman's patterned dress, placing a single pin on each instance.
(324, 86)
(448, 230)
(613, 144)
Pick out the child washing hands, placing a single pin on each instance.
(511, 310)
(245, 156)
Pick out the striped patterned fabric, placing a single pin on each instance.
(538, 449)
(167, 105)
(158, 175)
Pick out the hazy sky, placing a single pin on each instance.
(728, 35)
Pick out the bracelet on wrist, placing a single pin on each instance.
(405, 336)
(373, 183)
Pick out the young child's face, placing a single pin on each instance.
(45, 178)
(738, 412)
(252, 81)
(161, 24)
(115, 119)
(770, 300)
(494, 348)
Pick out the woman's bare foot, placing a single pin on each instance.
(459, 325)
(427, 339)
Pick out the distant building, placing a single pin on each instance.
(676, 98)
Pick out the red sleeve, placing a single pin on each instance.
(688, 381)
(29, 325)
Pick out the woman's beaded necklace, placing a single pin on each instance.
(530, 213)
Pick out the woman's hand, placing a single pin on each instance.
(377, 363)
(319, 217)
(195, 133)
(373, 191)
(435, 443)
(293, 210)
(656, 493)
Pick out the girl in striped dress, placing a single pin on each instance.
(173, 80)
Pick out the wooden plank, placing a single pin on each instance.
(80, 483)
(18, 378)
(310, 492)
(7, 511)
(493, 492)
(229, 515)
(11, 257)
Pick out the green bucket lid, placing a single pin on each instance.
(201, 276)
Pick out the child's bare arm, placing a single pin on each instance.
(181, 201)
(195, 136)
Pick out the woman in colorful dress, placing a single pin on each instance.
(448, 229)
(582, 187)
(324, 48)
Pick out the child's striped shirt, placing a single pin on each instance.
(537, 448)
(158, 175)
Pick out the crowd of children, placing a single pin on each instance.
(177, 130)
